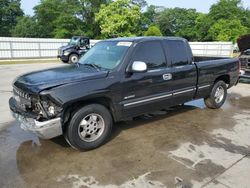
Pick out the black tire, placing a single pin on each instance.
(73, 58)
(72, 135)
(214, 102)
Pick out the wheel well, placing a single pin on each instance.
(74, 54)
(73, 107)
(225, 78)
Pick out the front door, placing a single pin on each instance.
(144, 92)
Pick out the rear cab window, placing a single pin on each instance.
(177, 52)
(150, 52)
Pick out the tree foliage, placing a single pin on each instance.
(222, 16)
(153, 30)
(178, 22)
(140, 3)
(63, 19)
(227, 30)
(118, 19)
(26, 27)
(226, 20)
(9, 12)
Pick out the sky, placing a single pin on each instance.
(200, 5)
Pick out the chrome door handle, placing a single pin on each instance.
(167, 76)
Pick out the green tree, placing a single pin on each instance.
(178, 22)
(153, 30)
(227, 30)
(10, 10)
(226, 9)
(58, 18)
(118, 19)
(223, 12)
(64, 18)
(202, 25)
(87, 12)
(26, 27)
(140, 3)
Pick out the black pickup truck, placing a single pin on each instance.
(117, 79)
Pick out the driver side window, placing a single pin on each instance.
(151, 53)
(83, 42)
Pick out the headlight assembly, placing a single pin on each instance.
(66, 53)
(50, 108)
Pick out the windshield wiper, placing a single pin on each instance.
(97, 67)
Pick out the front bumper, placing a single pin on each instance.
(245, 74)
(63, 58)
(45, 129)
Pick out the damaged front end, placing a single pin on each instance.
(244, 47)
(36, 113)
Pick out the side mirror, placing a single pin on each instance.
(139, 66)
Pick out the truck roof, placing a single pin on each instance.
(139, 39)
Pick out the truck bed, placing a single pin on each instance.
(209, 70)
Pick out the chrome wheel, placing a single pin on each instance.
(219, 94)
(91, 127)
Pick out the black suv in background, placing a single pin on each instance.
(77, 47)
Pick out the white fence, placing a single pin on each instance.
(212, 49)
(24, 48)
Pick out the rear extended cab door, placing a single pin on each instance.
(151, 90)
(183, 70)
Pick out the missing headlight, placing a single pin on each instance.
(50, 108)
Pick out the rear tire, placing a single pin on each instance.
(217, 96)
(89, 128)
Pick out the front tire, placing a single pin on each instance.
(217, 96)
(89, 128)
(73, 58)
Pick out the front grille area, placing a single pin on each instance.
(21, 94)
(23, 99)
(28, 103)
(248, 64)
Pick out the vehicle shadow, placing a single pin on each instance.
(137, 122)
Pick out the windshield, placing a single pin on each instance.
(74, 41)
(106, 54)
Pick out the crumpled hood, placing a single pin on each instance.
(244, 42)
(35, 82)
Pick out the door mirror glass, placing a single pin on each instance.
(139, 66)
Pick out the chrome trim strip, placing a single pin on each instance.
(184, 91)
(155, 70)
(244, 76)
(205, 86)
(159, 97)
(147, 100)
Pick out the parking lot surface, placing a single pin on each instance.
(185, 146)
